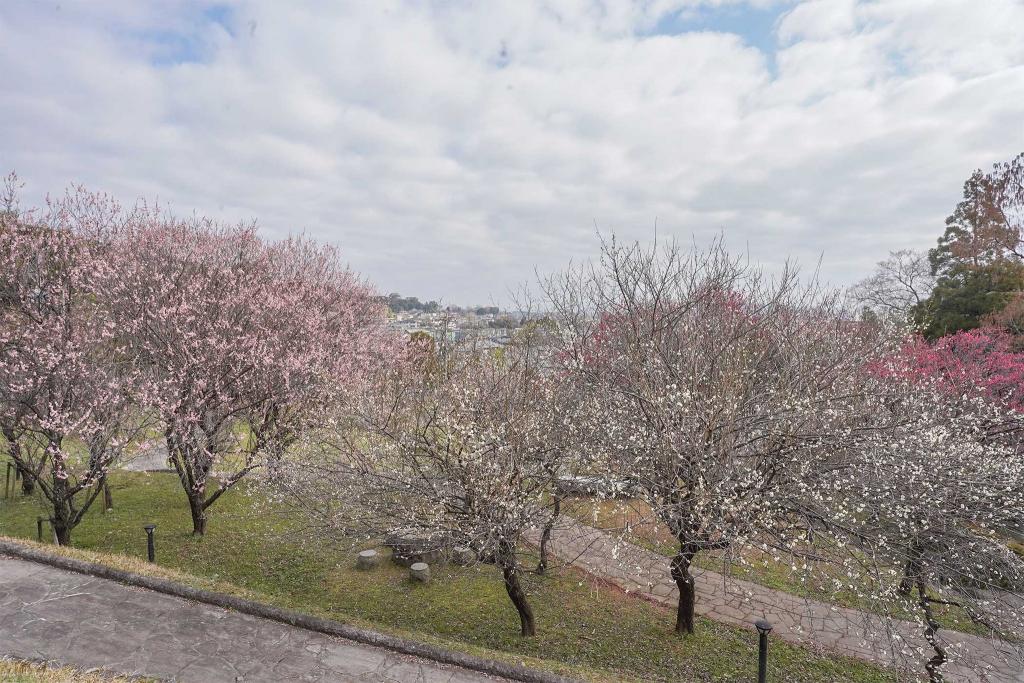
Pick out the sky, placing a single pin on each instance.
(454, 149)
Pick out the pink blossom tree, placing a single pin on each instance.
(244, 344)
(65, 378)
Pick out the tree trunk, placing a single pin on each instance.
(23, 473)
(108, 498)
(61, 531)
(60, 504)
(192, 482)
(65, 516)
(910, 571)
(28, 482)
(545, 537)
(195, 504)
(687, 589)
(934, 665)
(61, 523)
(510, 572)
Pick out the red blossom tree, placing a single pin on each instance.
(983, 362)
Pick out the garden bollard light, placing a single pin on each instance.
(39, 529)
(763, 629)
(150, 543)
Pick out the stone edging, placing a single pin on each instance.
(298, 619)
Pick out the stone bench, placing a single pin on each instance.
(408, 548)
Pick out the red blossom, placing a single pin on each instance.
(981, 362)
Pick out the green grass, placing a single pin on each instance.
(15, 671)
(585, 629)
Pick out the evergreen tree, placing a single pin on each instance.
(979, 260)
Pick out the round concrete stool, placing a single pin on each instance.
(367, 559)
(420, 571)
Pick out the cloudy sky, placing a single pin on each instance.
(452, 147)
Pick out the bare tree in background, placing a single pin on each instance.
(899, 285)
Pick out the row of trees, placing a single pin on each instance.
(749, 413)
(398, 303)
(124, 324)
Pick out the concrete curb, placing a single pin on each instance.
(310, 623)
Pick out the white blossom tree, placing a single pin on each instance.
(923, 514)
(460, 452)
(724, 398)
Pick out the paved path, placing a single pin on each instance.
(795, 619)
(152, 456)
(50, 614)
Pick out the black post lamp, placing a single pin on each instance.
(763, 629)
(150, 543)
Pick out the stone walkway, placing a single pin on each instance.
(53, 615)
(152, 456)
(794, 619)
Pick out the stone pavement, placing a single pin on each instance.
(54, 615)
(152, 456)
(795, 619)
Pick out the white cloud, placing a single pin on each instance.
(451, 147)
(819, 20)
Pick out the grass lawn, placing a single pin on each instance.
(758, 567)
(585, 629)
(15, 671)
